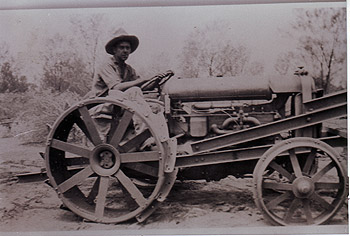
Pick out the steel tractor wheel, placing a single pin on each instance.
(300, 181)
(95, 169)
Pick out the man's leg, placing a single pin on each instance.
(157, 119)
(102, 115)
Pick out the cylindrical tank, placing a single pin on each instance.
(218, 88)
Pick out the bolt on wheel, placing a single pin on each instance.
(93, 167)
(300, 181)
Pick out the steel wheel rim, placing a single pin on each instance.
(71, 193)
(300, 194)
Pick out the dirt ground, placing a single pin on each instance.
(226, 204)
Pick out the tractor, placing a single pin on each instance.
(203, 129)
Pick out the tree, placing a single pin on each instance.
(208, 51)
(10, 82)
(88, 35)
(63, 68)
(230, 60)
(285, 63)
(4, 53)
(322, 43)
(255, 68)
(159, 63)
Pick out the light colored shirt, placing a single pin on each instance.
(109, 74)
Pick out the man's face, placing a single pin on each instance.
(122, 51)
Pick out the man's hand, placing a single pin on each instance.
(159, 76)
(157, 80)
(163, 75)
(143, 80)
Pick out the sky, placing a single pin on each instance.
(159, 29)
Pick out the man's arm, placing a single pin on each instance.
(125, 85)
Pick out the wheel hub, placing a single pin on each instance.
(105, 160)
(303, 187)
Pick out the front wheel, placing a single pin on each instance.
(300, 181)
(93, 168)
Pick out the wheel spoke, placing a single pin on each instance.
(309, 161)
(94, 190)
(67, 147)
(136, 141)
(295, 163)
(131, 188)
(139, 156)
(273, 203)
(321, 201)
(277, 186)
(77, 161)
(90, 126)
(75, 179)
(307, 211)
(101, 196)
(322, 172)
(281, 170)
(325, 185)
(143, 168)
(293, 207)
(122, 126)
(113, 128)
(80, 123)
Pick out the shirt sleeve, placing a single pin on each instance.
(109, 75)
(133, 75)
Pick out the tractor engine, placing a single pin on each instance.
(206, 107)
(200, 108)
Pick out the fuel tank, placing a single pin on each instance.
(231, 88)
(217, 88)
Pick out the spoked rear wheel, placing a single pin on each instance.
(93, 168)
(300, 181)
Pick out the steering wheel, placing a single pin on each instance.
(157, 81)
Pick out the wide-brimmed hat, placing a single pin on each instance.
(119, 36)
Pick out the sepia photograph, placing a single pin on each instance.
(173, 117)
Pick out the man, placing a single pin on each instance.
(115, 77)
(115, 74)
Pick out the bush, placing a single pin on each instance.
(39, 112)
(11, 104)
(10, 81)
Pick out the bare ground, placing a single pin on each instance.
(190, 205)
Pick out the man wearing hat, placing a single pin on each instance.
(116, 78)
(115, 74)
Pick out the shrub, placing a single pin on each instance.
(39, 112)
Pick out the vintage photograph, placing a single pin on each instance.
(163, 118)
